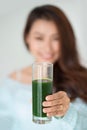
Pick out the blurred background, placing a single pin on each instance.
(13, 14)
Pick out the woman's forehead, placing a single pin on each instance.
(40, 27)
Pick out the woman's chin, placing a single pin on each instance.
(46, 60)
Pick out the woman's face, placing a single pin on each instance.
(44, 42)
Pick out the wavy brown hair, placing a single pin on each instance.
(69, 75)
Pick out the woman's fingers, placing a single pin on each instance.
(51, 103)
(55, 100)
(57, 104)
(56, 111)
(54, 96)
(53, 109)
(59, 113)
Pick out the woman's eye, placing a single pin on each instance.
(56, 39)
(39, 38)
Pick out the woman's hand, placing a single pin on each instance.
(56, 104)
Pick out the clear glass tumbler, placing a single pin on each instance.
(42, 84)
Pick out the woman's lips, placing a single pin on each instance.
(46, 57)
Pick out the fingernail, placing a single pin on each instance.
(48, 114)
(46, 98)
(44, 110)
(43, 104)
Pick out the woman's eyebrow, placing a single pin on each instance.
(38, 33)
(55, 34)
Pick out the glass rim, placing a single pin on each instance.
(42, 63)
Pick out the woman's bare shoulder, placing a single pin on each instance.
(23, 76)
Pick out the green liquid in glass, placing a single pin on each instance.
(40, 89)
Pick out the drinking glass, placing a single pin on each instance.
(42, 84)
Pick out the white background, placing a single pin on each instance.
(13, 14)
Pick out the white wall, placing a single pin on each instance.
(13, 54)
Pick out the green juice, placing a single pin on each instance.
(40, 89)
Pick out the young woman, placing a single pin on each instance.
(48, 35)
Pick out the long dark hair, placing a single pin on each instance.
(69, 75)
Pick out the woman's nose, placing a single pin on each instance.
(47, 46)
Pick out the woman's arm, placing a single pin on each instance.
(6, 119)
(75, 118)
